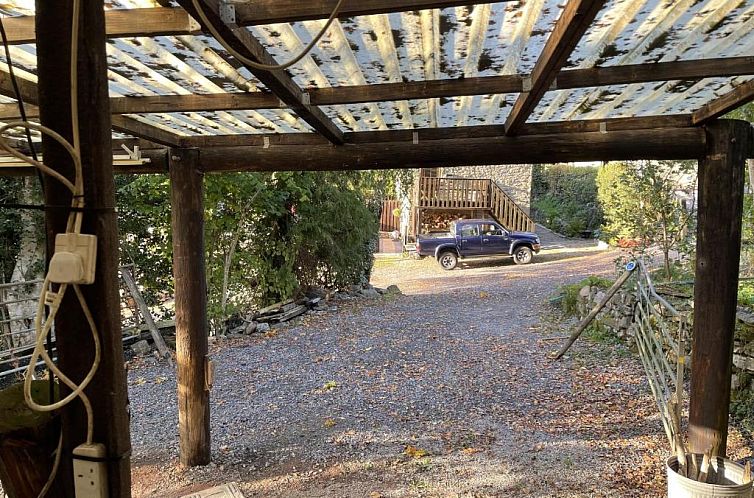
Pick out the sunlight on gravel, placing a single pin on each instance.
(443, 391)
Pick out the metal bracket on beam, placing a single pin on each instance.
(306, 98)
(415, 138)
(554, 85)
(526, 84)
(603, 128)
(265, 142)
(227, 12)
(282, 104)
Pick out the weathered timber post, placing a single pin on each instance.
(186, 185)
(108, 390)
(721, 187)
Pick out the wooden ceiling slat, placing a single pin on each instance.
(571, 26)
(279, 82)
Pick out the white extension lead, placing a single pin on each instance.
(72, 264)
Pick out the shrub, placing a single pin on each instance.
(564, 199)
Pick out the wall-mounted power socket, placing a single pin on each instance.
(90, 471)
(74, 260)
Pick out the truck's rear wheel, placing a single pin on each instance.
(522, 255)
(448, 260)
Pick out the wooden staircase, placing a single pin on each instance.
(473, 194)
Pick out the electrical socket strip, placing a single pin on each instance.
(90, 471)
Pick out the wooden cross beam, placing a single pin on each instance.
(387, 92)
(660, 143)
(731, 101)
(162, 21)
(422, 135)
(571, 26)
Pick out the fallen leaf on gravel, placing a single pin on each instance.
(414, 452)
(271, 333)
(329, 423)
(329, 386)
(160, 380)
(139, 381)
(470, 451)
(483, 295)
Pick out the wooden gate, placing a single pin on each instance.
(388, 221)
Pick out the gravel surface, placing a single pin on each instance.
(442, 391)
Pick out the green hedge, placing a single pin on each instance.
(564, 199)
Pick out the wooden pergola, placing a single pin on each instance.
(394, 84)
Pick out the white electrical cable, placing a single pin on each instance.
(255, 64)
(48, 297)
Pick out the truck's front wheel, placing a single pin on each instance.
(448, 260)
(522, 255)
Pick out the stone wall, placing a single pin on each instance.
(515, 180)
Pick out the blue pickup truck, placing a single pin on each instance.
(478, 238)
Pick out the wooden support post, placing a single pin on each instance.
(190, 306)
(721, 186)
(108, 390)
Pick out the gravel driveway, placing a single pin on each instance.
(443, 391)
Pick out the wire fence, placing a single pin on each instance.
(662, 337)
(18, 309)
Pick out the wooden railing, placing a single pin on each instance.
(471, 193)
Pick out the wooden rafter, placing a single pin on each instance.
(119, 23)
(604, 126)
(124, 124)
(732, 100)
(279, 82)
(280, 11)
(386, 92)
(571, 26)
(164, 21)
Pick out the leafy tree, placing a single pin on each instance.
(565, 198)
(268, 236)
(640, 203)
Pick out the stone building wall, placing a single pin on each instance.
(515, 180)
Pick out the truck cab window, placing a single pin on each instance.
(469, 230)
(490, 229)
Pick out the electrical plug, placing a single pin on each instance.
(74, 260)
(90, 471)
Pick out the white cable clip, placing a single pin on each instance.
(265, 142)
(227, 12)
(306, 98)
(603, 128)
(554, 84)
(526, 84)
(416, 138)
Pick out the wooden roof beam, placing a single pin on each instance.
(119, 23)
(387, 92)
(661, 143)
(604, 126)
(165, 21)
(742, 94)
(279, 82)
(124, 124)
(571, 26)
